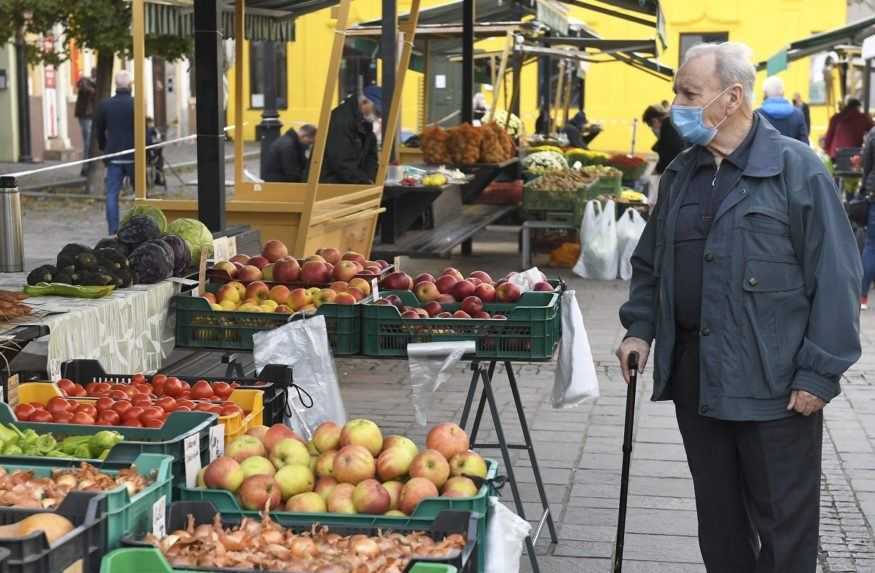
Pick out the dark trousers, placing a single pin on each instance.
(757, 484)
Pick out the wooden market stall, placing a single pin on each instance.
(305, 216)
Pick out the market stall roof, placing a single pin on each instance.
(853, 33)
(630, 10)
(265, 19)
(450, 14)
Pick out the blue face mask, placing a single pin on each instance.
(690, 121)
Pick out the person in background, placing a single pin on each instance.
(579, 132)
(669, 144)
(86, 93)
(868, 192)
(289, 156)
(480, 108)
(114, 128)
(847, 128)
(803, 107)
(780, 112)
(542, 123)
(351, 148)
(665, 105)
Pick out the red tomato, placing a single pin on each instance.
(104, 403)
(185, 396)
(88, 409)
(231, 410)
(24, 412)
(151, 412)
(173, 387)
(182, 409)
(41, 416)
(65, 384)
(58, 404)
(63, 418)
(133, 412)
(143, 389)
(167, 403)
(90, 387)
(203, 407)
(77, 390)
(118, 395)
(83, 418)
(222, 389)
(141, 401)
(202, 390)
(187, 403)
(108, 418)
(159, 379)
(131, 421)
(138, 378)
(158, 389)
(122, 406)
(100, 388)
(152, 422)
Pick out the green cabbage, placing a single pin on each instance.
(153, 213)
(195, 234)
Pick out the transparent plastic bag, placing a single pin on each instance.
(527, 279)
(505, 536)
(430, 364)
(575, 379)
(598, 243)
(629, 229)
(303, 345)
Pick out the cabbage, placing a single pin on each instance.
(153, 213)
(195, 234)
(544, 161)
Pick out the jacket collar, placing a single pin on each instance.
(763, 160)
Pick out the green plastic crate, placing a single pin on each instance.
(426, 511)
(125, 514)
(199, 326)
(572, 203)
(530, 332)
(167, 440)
(433, 568)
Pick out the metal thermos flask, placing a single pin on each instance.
(11, 245)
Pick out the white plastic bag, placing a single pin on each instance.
(598, 243)
(575, 378)
(527, 279)
(303, 345)
(505, 536)
(430, 364)
(629, 229)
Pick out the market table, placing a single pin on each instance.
(404, 205)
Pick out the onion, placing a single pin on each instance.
(233, 541)
(272, 537)
(278, 551)
(365, 547)
(303, 548)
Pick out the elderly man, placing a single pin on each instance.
(114, 128)
(288, 157)
(351, 148)
(747, 277)
(782, 114)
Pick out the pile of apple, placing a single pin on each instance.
(258, 297)
(349, 470)
(275, 265)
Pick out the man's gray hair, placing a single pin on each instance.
(123, 80)
(732, 62)
(773, 87)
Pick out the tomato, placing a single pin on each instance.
(108, 418)
(41, 416)
(173, 387)
(187, 403)
(63, 418)
(185, 396)
(230, 410)
(152, 422)
(182, 409)
(222, 389)
(159, 379)
(78, 390)
(104, 403)
(90, 387)
(65, 384)
(202, 407)
(215, 409)
(131, 421)
(122, 406)
(100, 389)
(119, 395)
(186, 387)
(158, 389)
(167, 403)
(82, 418)
(151, 412)
(144, 389)
(138, 378)
(24, 412)
(133, 412)
(58, 404)
(88, 409)
(202, 390)
(142, 401)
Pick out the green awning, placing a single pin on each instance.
(777, 63)
(853, 33)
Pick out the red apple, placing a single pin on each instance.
(280, 294)
(472, 305)
(461, 314)
(446, 299)
(327, 436)
(249, 273)
(453, 271)
(354, 464)
(286, 270)
(260, 492)
(345, 298)
(508, 292)
(433, 308)
(462, 290)
(474, 281)
(340, 499)
(543, 286)
(485, 292)
(257, 290)
(274, 250)
(330, 254)
(448, 438)
(415, 491)
(410, 314)
(423, 277)
(277, 433)
(240, 259)
(314, 272)
(346, 270)
(445, 283)
(397, 281)
(258, 261)
(371, 497)
(483, 276)
(223, 473)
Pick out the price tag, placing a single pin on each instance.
(159, 517)
(221, 248)
(217, 441)
(397, 264)
(183, 281)
(192, 448)
(375, 288)
(12, 391)
(202, 274)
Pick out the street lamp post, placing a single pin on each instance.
(24, 149)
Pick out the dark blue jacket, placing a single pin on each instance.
(780, 286)
(785, 118)
(114, 125)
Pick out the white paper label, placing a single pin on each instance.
(222, 249)
(192, 459)
(397, 265)
(217, 441)
(159, 518)
(440, 81)
(375, 288)
(184, 281)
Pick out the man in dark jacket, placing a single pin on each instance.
(579, 132)
(803, 107)
(847, 128)
(747, 277)
(668, 141)
(114, 128)
(289, 156)
(86, 92)
(351, 148)
(781, 113)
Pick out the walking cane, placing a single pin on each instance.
(627, 459)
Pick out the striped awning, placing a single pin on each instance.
(176, 18)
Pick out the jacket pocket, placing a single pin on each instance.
(766, 234)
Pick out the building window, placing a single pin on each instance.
(256, 75)
(687, 41)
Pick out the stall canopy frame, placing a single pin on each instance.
(853, 33)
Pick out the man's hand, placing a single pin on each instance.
(805, 403)
(629, 346)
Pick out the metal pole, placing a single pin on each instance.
(270, 125)
(24, 151)
(389, 49)
(867, 84)
(209, 111)
(138, 19)
(467, 61)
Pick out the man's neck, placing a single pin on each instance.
(731, 134)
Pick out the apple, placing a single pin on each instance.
(318, 258)
(483, 276)
(228, 293)
(394, 488)
(395, 300)
(447, 438)
(462, 290)
(258, 262)
(433, 308)
(257, 431)
(324, 486)
(461, 314)
(360, 284)
(327, 436)
(325, 464)
(474, 281)
(257, 290)
(278, 432)
(356, 293)
(267, 273)
(397, 281)
(445, 315)
(410, 314)
(485, 292)
(295, 479)
(403, 441)
(299, 298)
(354, 256)
(453, 271)
(353, 464)
(369, 496)
(468, 464)
(339, 286)
(314, 272)
(330, 254)
(472, 305)
(223, 473)
(423, 277)
(421, 312)
(307, 502)
(241, 258)
(226, 266)
(394, 463)
(432, 465)
(260, 492)
(284, 309)
(289, 452)
(249, 273)
(279, 294)
(209, 297)
(286, 270)
(361, 432)
(340, 499)
(245, 447)
(345, 298)
(460, 486)
(345, 271)
(426, 291)
(257, 465)
(382, 264)
(445, 284)
(543, 286)
(274, 250)
(508, 292)
(481, 314)
(415, 491)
